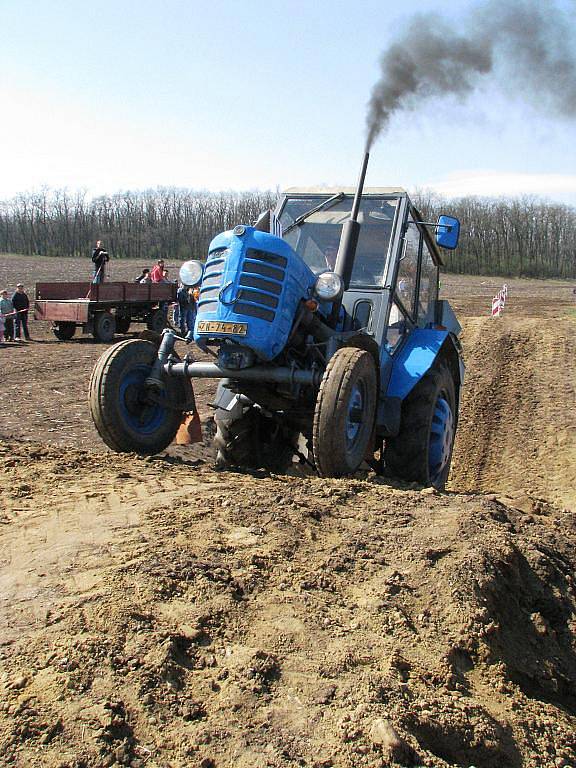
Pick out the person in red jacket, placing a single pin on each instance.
(157, 273)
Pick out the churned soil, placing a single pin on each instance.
(156, 612)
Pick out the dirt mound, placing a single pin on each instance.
(158, 613)
(518, 427)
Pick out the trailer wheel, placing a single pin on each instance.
(422, 450)
(251, 440)
(123, 323)
(104, 326)
(127, 417)
(345, 412)
(156, 321)
(64, 331)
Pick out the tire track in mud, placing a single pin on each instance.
(517, 430)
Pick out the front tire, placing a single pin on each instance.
(422, 450)
(126, 416)
(345, 412)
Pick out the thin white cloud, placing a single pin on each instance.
(497, 184)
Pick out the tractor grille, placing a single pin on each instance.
(212, 280)
(261, 284)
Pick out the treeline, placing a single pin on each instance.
(172, 223)
(515, 237)
(522, 237)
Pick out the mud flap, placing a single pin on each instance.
(190, 430)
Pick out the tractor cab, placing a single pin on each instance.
(393, 285)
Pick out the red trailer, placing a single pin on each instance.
(103, 309)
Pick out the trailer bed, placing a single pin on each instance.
(69, 305)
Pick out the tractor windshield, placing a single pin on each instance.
(316, 239)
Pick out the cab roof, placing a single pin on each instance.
(370, 191)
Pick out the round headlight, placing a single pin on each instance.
(328, 286)
(191, 273)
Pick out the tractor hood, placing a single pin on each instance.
(252, 285)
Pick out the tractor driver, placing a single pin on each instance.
(330, 254)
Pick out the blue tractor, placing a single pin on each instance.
(329, 341)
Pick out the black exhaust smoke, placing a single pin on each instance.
(527, 46)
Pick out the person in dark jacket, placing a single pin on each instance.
(21, 304)
(99, 259)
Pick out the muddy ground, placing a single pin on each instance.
(156, 612)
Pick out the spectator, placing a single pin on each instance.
(144, 277)
(157, 272)
(21, 303)
(1, 330)
(7, 308)
(99, 259)
(193, 294)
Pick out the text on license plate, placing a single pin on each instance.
(215, 326)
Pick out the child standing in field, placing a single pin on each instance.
(1, 330)
(7, 314)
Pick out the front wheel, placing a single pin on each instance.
(128, 416)
(422, 450)
(345, 412)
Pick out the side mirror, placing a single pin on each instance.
(447, 232)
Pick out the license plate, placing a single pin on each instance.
(215, 326)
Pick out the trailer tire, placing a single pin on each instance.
(253, 441)
(345, 412)
(125, 419)
(64, 331)
(156, 321)
(422, 450)
(104, 326)
(123, 323)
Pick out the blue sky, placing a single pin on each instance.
(123, 94)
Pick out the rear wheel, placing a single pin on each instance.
(64, 331)
(345, 412)
(104, 326)
(250, 439)
(422, 451)
(127, 415)
(156, 321)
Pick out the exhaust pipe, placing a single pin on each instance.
(350, 232)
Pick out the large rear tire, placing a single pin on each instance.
(422, 450)
(251, 440)
(345, 412)
(128, 418)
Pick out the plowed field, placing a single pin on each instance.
(156, 612)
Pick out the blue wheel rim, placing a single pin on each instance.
(355, 414)
(138, 414)
(441, 438)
